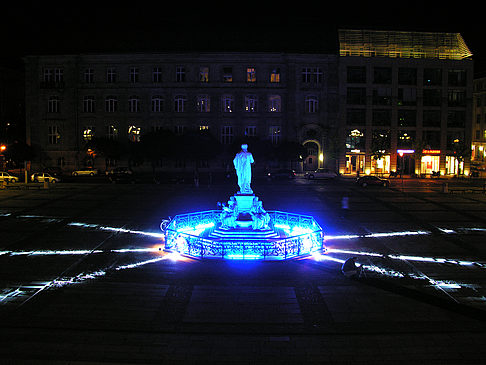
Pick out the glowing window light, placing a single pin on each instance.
(244, 257)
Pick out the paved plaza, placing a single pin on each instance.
(85, 279)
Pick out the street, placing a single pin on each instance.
(84, 277)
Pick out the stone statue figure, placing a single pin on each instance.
(242, 162)
(259, 216)
(229, 214)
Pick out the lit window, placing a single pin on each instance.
(204, 74)
(112, 132)
(274, 103)
(275, 134)
(88, 133)
(53, 135)
(202, 104)
(204, 128)
(134, 133)
(227, 103)
(251, 103)
(227, 74)
(250, 74)
(275, 75)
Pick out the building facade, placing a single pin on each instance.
(478, 153)
(275, 97)
(388, 101)
(406, 102)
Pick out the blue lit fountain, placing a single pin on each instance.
(242, 229)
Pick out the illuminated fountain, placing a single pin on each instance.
(243, 229)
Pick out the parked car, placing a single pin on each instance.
(85, 171)
(372, 180)
(44, 176)
(321, 174)
(5, 176)
(281, 174)
(120, 171)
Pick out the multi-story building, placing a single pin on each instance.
(276, 97)
(389, 101)
(406, 102)
(478, 156)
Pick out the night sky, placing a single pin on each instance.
(308, 27)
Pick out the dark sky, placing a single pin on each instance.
(104, 26)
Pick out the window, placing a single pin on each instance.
(179, 103)
(204, 127)
(356, 74)
(407, 76)
(274, 104)
(275, 134)
(251, 103)
(456, 119)
(111, 104)
(48, 75)
(203, 104)
(381, 117)
(112, 132)
(89, 104)
(89, 75)
(227, 74)
(156, 75)
(134, 133)
(157, 104)
(250, 74)
(382, 75)
(133, 74)
(227, 103)
(431, 118)
(250, 131)
(355, 140)
(356, 96)
(226, 134)
(432, 97)
(432, 76)
(53, 104)
(407, 118)
(382, 96)
(53, 135)
(311, 104)
(405, 139)
(356, 117)
(317, 75)
(180, 74)
(179, 130)
(88, 133)
(306, 74)
(457, 77)
(204, 74)
(110, 75)
(133, 104)
(431, 139)
(380, 140)
(58, 75)
(456, 98)
(407, 96)
(275, 75)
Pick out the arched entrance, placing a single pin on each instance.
(311, 161)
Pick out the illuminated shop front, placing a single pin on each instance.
(453, 166)
(406, 161)
(355, 158)
(430, 161)
(381, 165)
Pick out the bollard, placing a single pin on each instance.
(46, 184)
(445, 187)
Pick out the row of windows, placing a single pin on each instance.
(405, 97)
(180, 104)
(134, 133)
(406, 118)
(183, 74)
(406, 76)
(381, 139)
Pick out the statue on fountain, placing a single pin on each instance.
(242, 163)
(259, 216)
(229, 214)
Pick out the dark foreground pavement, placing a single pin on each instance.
(193, 312)
(187, 311)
